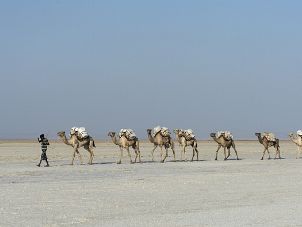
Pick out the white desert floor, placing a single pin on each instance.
(248, 192)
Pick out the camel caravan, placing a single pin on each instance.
(161, 138)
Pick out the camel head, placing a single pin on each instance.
(177, 131)
(213, 134)
(149, 131)
(257, 134)
(111, 134)
(61, 134)
(180, 132)
(291, 135)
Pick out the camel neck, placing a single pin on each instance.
(259, 139)
(114, 140)
(177, 136)
(65, 140)
(150, 138)
(216, 139)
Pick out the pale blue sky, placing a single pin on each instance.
(106, 65)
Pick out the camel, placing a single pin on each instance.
(180, 137)
(266, 143)
(87, 143)
(161, 141)
(298, 141)
(124, 143)
(225, 143)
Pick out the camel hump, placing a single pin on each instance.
(189, 135)
(74, 130)
(269, 136)
(82, 132)
(165, 132)
(226, 134)
(156, 130)
(128, 133)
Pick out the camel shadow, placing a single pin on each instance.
(234, 159)
(85, 164)
(149, 162)
(103, 163)
(189, 160)
(200, 160)
(66, 164)
(278, 158)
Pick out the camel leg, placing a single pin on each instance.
(234, 147)
(263, 154)
(161, 154)
(166, 155)
(181, 154)
(276, 153)
(172, 148)
(90, 154)
(219, 146)
(129, 155)
(152, 152)
(75, 150)
(193, 154)
(224, 150)
(80, 157)
(89, 160)
(279, 153)
(197, 158)
(173, 153)
(121, 155)
(139, 155)
(136, 154)
(72, 160)
(269, 155)
(184, 150)
(229, 152)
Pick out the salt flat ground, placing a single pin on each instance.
(248, 192)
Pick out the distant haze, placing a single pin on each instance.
(106, 65)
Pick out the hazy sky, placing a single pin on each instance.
(206, 65)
